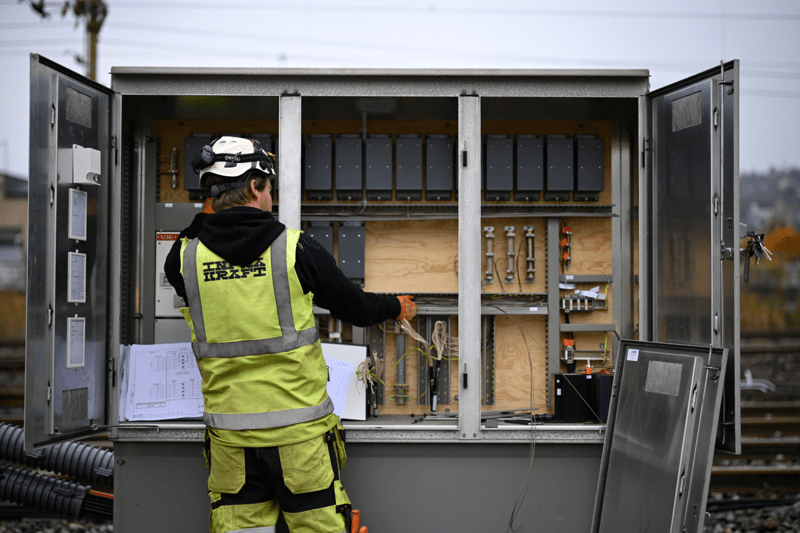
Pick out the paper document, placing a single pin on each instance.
(162, 382)
(339, 373)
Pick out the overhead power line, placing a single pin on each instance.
(35, 25)
(677, 66)
(495, 11)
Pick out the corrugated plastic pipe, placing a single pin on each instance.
(87, 463)
(51, 494)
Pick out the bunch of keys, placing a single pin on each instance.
(755, 247)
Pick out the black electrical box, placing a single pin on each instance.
(318, 166)
(351, 251)
(574, 397)
(379, 166)
(498, 167)
(192, 145)
(322, 232)
(559, 163)
(530, 167)
(408, 166)
(349, 174)
(439, 154)
(589, 167)
(602, 394)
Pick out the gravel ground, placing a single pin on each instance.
(766, 520)
(785, 518)
(43, 525)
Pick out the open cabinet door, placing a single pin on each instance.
(690, 224)
(69, 249)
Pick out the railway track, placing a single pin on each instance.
(770, 451)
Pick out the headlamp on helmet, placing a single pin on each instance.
(232, 158)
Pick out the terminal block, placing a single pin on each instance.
(581, 303)
(566, 245)
(568, 355)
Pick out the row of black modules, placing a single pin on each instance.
(346, 165)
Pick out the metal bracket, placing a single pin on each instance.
(489, 234)
(511, 254)
(531, 269)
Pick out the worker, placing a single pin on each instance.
(273, 443)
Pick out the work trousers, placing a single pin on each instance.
(250, 487)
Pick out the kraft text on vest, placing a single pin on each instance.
(222, 270)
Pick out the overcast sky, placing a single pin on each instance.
(672, 39)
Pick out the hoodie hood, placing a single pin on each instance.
(240, 234)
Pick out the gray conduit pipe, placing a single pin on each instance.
(87, 463)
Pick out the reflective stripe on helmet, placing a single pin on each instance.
(272, 419)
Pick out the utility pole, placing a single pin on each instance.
(94, 11)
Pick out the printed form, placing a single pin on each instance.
(162, 382)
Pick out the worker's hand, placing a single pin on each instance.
(408, 309)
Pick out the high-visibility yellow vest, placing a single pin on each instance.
(257, 346)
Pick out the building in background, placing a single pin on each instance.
(13, 256)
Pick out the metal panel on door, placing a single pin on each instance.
(68, 257)
(691, 267)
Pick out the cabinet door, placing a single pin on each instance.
(691, 197)
(67, 341)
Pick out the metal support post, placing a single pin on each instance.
(469, 260)
(289, 155)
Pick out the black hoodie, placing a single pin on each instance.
(241, 234)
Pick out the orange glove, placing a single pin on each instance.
(408, 309)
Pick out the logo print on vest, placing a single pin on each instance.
(222, 270)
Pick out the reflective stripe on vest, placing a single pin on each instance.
(272, 419)
(290, 338)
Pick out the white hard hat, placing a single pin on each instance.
(233, 157)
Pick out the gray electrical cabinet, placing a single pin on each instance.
(103, 214)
